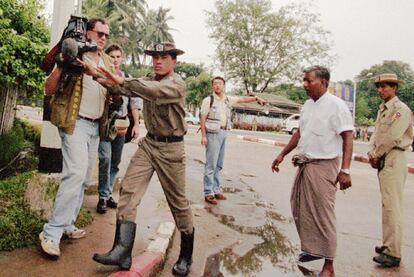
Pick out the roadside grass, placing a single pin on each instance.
(19, 224)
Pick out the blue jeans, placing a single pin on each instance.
(216, 143)
(79, 152)
(110, 153)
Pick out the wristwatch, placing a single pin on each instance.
(346, 171)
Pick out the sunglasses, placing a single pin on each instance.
(101, 34)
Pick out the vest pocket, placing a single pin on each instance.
(59, 112)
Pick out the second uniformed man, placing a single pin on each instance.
(392, 136)
(162, 151)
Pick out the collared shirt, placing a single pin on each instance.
(164, 102)
(93, 94)
(393, 128)
(221, 101)
(321, 124)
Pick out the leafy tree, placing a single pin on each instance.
(290, 91)
(188, 69)
(155, 29)
(257, 47)
(366, 88)
(198, 88)
(23, 43)
(125, 19)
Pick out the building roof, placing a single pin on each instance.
(277, 104)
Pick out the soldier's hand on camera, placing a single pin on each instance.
(109, 78)
(261, 101)
(89, 69)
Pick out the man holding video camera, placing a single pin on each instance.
(79, 109)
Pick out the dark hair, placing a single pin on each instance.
(113, 47)
(218, 78)
(92, 22)
(320, 71)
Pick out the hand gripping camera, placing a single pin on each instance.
(71, 46)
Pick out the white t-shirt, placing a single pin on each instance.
(321, 124)
(205, 105)
(93, 94)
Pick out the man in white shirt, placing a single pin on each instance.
(325, 132)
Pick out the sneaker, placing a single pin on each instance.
(75, 234)
(387, 260)
(48, 246)
(111, 203)
(101, 207)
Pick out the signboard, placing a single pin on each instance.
(345, 92)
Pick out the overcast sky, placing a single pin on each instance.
(364, 32)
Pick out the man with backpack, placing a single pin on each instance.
(214, 123)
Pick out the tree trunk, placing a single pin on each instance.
(8, 100)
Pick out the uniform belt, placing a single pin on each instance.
(165, 139)
(88, 119)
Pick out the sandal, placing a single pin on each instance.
(210, 199)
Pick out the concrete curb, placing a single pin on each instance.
(149, 262)
(356, 157)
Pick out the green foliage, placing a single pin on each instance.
(367, 93)
(188, 69)
(132, 25)
(198, 88)
(290, 91)
(257, 47)
(23, 43)
(137, 71)
(19, 226)
(23, 137)
(84, 218)
(14, 140)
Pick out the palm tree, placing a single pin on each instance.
(155, 28)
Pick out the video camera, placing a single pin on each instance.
(72, 45)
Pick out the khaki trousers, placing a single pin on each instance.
(168, 161)
(392, 180)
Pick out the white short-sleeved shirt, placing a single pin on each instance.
(205, 105)
(321, 124)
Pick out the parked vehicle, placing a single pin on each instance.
(191, 119)
(291, 124)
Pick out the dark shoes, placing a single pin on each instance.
(111, 203)
(120, 254)
(387, 260)
(306, 257)
(220, 196)
(101, 207)
(380, 249)
(182, 266)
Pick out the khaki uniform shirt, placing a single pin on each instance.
(164, 102)
(393, 128)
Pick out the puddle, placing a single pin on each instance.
(263, 249)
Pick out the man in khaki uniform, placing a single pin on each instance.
(392, 136)
(162, 151)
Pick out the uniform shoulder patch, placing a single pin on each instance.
(397, 115)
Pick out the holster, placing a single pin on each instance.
(381, 163)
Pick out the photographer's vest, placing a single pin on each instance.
(65, 104)
(213, 121)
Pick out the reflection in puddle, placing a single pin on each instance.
(272, 257)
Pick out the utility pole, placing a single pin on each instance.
(50, 154)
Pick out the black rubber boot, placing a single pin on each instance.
(182, 266)
(123, 243)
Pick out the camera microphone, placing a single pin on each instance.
(69, 49)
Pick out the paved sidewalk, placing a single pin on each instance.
(356, 157)
(155, 229)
